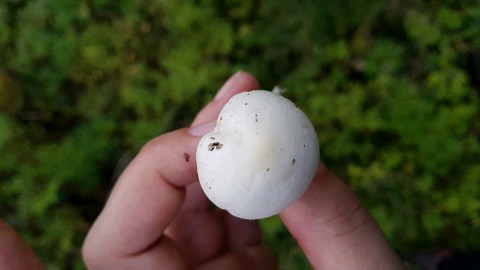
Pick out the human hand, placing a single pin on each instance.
(158, 217)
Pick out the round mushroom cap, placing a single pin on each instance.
(261, 156)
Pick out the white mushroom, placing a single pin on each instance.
(261, 156)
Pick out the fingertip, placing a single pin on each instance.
(241, 80)
(202, 129)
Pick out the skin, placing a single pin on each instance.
(15, 254)
(157, 215)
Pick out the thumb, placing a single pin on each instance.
(335, 230)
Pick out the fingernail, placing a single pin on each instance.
(228, 85)
(202, 129)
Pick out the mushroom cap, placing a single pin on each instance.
(261, 156)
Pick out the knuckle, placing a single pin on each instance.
(349, 217)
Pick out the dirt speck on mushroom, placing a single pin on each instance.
(215, 145)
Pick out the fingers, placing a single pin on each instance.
(335, 230)
(163, 254)
(199, 234)
(14, 252)
(241, 233)
(203, 233)
(199, 229)
(257, 257)
(145, 200)
(149, 195)
(239, 82)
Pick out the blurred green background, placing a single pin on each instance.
(389, 86)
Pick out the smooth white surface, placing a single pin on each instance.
(261, 156)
